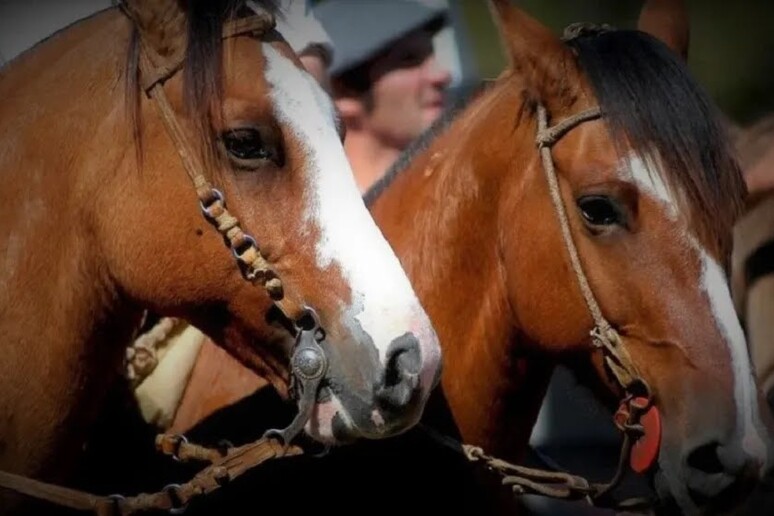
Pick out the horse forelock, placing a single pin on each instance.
(202, 67)
(651, 104)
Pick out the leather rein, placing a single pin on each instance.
(308, 361)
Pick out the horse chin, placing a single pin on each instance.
(671, 501)
(676, 498)
(673, 495)
(330, 424)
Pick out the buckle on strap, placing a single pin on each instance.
(308, 367)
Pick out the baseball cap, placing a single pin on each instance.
(360, 29)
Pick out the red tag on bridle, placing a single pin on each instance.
(644, 451)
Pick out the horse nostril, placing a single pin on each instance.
(403, 359)
(718, 472)
(401, 373)
(705, 459)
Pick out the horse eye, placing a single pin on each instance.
(599, 210)
(246, 146)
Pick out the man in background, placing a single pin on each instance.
(385, 79)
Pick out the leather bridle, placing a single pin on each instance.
(308, 361)
(638, 398)
(637, 417)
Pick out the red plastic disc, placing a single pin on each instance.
(645, 449)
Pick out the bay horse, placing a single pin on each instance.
(589, 189)
(651, 190)
(99, 127)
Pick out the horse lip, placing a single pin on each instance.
(343, 432)
(324, 392)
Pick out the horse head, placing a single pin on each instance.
(635, 246)
(221, 138)
(271, 138)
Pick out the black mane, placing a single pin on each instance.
(202, 66)
(651, 103)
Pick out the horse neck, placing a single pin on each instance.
(442, 217)
(60, 317)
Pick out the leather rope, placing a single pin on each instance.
(227, 463)
(254, 266)
(174, 497)
(560, 485)
(603, 335)
(212, 202)
(142, 356)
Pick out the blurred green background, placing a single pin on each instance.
(731, 53)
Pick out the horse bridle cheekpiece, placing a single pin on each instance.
(308, 361)
(637, 417)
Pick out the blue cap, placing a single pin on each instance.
(360, 29)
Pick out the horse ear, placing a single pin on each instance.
(161, 25)
(534, 51)
(668, 21)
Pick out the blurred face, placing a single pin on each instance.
(407, 93)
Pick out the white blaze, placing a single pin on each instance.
(715, 286)
(384, 303)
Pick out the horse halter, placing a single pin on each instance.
(637, 416)
(308, 361)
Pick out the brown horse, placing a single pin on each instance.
(99, 222)
(650, 192)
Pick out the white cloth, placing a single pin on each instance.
(159, 395)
